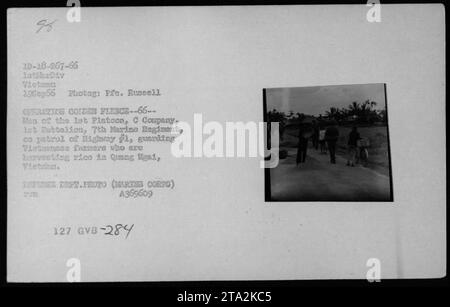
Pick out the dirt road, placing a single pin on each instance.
(319, 180)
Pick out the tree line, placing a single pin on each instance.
(355, 113)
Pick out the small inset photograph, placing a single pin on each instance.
(333, 143)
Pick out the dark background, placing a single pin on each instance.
(166, 292)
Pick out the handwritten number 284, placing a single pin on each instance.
(117, 229)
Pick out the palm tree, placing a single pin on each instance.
(354, 108)
(368, 113)
(332, 113)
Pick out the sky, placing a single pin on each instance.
(316, 100)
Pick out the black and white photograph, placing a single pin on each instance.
(223, 144)
(333, 143)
